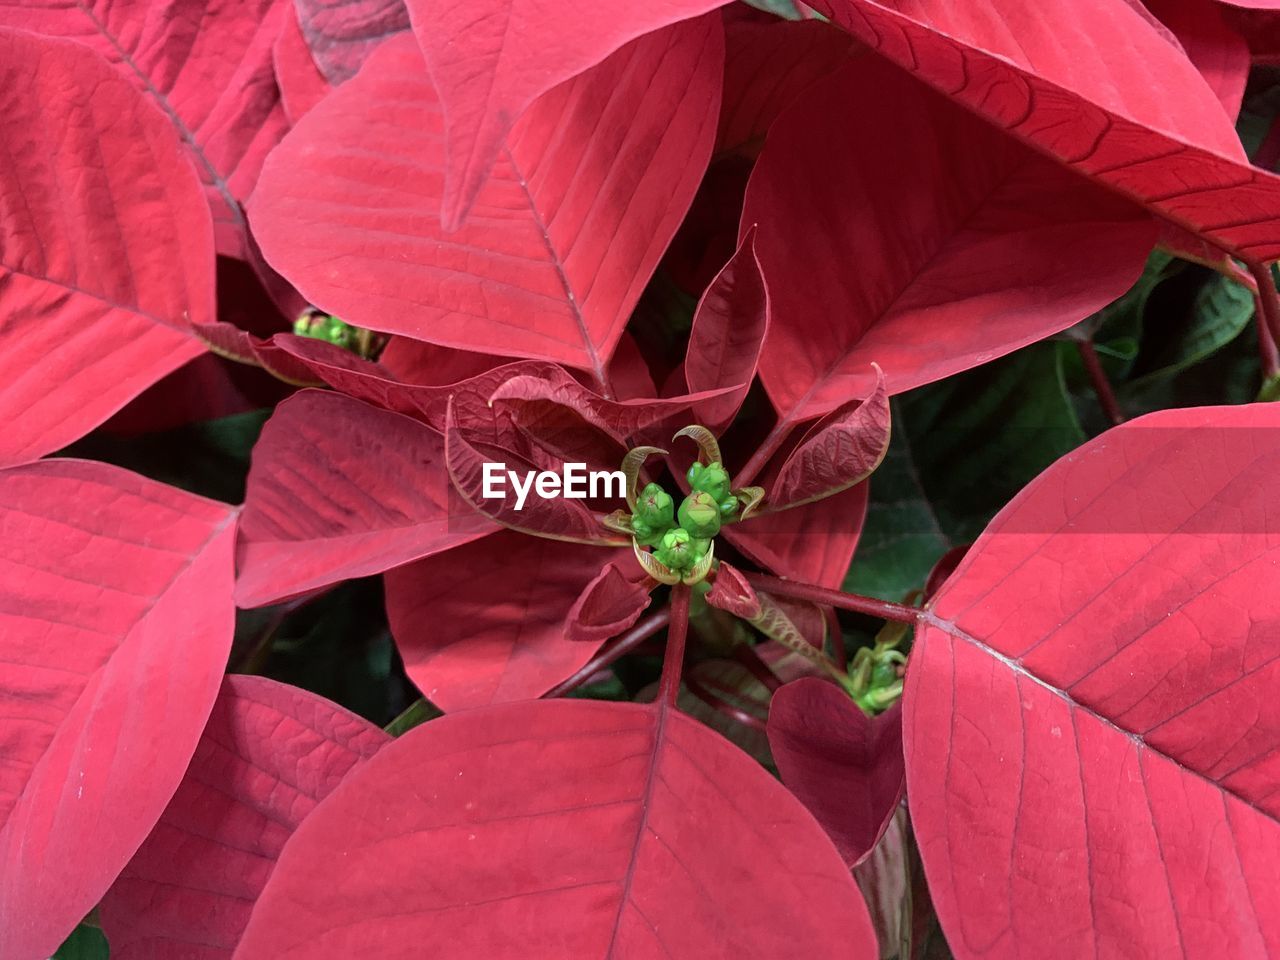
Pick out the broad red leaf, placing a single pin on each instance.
(206, 65)
(729, 327)
(106, 256)
(591, 186)
(844, 766)
(339, 489)
(560, 829)
(767, 65)
(493, 59)
(269, 754)
(1216, 48)
(967, 244)
(416, 361)
(1090, 707)
(841, 449)
(609, 604)
(1110, 98)
(115, 624)
(342, 34)
(814, 543)
(486, 623)
(301, 83)
(628, 374)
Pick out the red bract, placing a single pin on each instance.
(90, 163)
(269, 754)
(117, 620)
(621, 831)
(1090, 704)
(341, 34)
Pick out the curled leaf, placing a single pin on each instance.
(608, 605)
(705, 439)
(631, 466)
(698, 572)
(731, 592)
(750, 498)
(649, 563)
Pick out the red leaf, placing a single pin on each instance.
(107, 255)
(492, 60)
(342, 34)
(231, 342)
(301, 83)
(416, 361)
(1218, 51)
(967, 245)
(730, 591)
(206, 65)
(768, 64)
(843, 765)
(608, 605)
(814, 543)
(269, 754)
(619, 830)
(729, 328)
(1109, 98)
(485, 623)
(115, 625)
(338, 489)
(591, 186)
(1090, 706)
(841, 449)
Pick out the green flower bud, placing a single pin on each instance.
(695, 471)
(728, 506)
(679, 551)
(700, 515)
(646, 534)
(655, 507)
(712, 479)
(302, 326)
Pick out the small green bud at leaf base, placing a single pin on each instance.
(655, 507)
(728, 506)
(679, 551)
(712, 479)
(700, 515)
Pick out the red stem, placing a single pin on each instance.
(884, 609)
(1268, 306)
(1101, 385)
(746, 655)
(677, 632)
(723, 706)
(627, 642)
(781, 430)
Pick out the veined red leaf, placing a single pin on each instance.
(1216, 48)
(840, 450)
(966, 244)
(1109, 98)
(492, 60)
(107, 252)
(618, 834)
(609, 604)
(486, 623)
(844, 766)
(416, 361)
(814, 543)
(729, 328)
(301, 83)
(591, 186)
(206, 65)
(268, 755)
(339, 489)
(628, 374)
(115, 625)
(232, 343)
(342, 34)
(1090, 705)
(767, 64)
(559, 518)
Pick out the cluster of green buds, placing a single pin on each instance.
(323, 326)
(682, 539)
(875, 675)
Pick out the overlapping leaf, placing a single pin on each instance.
(268, 755)
(1090, 707)
(814, 543)
(115, 624)
(573, 829)
(1217, 49)
(590, 188)
(301, 83)
(342, 34)
(107, 251)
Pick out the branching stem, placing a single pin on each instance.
(620, 647)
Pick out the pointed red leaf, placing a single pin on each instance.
(301, 83)
(729, 328)
(1090, 706)
(1110, 98)
(342, 34)
(486, 623)
(813, 543)
(841, 449)
(206, 65)
(844, 766)
(115, 625)
(339, 489)
(967, 244)
(232, 343)
(107, 255)
(620, 831)
(1216, 48)
(730, 591)
(269, 754)
(591, 186)
(416, 361)
(493, 59)
(609, 604)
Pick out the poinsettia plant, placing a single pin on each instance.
(926, 352)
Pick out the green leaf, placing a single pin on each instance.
(416, 714)
(1219, 313)
(86, 942)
